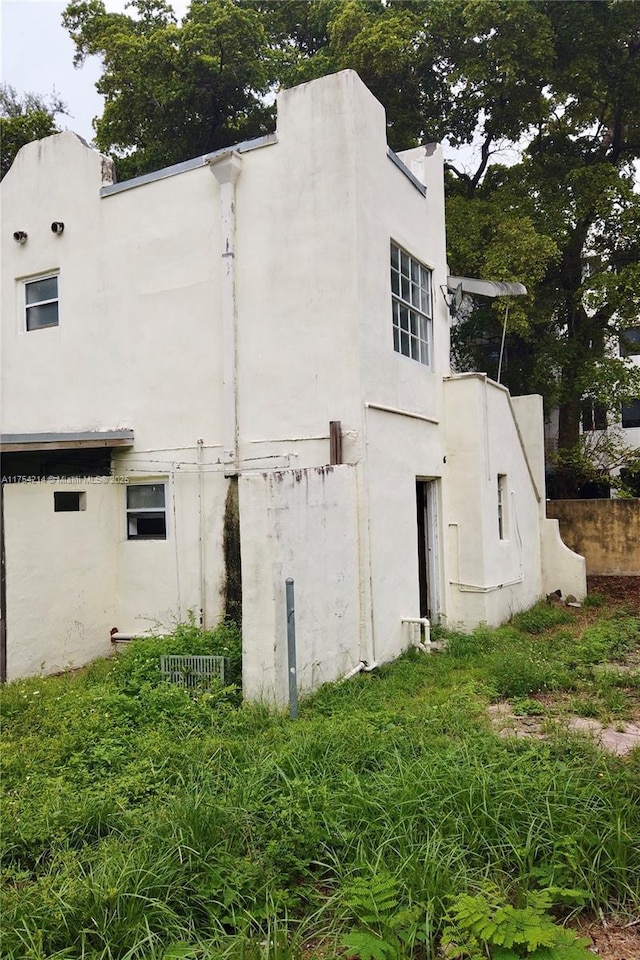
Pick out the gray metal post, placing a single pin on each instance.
(291, 650)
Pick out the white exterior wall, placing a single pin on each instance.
(150, 306)
(489, 578)
(300, 524)
(61, 576)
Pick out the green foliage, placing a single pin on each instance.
(540, 618)
(593, 600)
(139, 820)
(138, 665)
(600, 456)
(527, 707)
(388, 929)
(485, 924)
(24, 119)
(174, 91)
(498, 74)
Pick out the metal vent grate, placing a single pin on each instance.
(193, 673)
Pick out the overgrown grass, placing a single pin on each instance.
(142, 822)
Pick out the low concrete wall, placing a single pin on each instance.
(605, 532)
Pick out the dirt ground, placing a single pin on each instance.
(619, 590)
(612, 939)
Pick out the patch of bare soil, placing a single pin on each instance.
(612, 939)
(617, 590)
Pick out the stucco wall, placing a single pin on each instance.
(401, 450)
(61, 576)
(300, 524)
(489, 577)
(72, 576)
(146, 319)
(605, 532)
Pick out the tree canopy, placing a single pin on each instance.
(174, 91)
(556, 82)
(23, 119)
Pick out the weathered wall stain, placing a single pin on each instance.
(232, 560)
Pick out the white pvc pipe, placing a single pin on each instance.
(226, 169)
(357, 669)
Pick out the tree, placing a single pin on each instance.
(174, 91)
(561, 81)
(23, 119)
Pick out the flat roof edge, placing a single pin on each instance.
(177, 168)
(22, 442)
(403, 168)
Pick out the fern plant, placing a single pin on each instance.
(387, 930)
(485, 925)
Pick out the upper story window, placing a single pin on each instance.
(593, 416)
(41, 302)
(631, 414)
(630, 342)
(411, 305)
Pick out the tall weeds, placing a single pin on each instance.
(141, 822)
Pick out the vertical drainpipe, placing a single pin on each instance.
(226, 170)
(201, 540)
(3, 594)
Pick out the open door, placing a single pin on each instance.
(428, 562)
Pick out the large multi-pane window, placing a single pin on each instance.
(411, 306)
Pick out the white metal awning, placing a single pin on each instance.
(487, 288)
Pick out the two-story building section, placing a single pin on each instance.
(235, 371)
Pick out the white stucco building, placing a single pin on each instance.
(255, 341)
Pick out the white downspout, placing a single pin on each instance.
(226, 169)
(202, 539)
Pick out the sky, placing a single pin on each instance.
(37, 57)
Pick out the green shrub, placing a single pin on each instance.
(138, 665)
(481, 926)
(593, 600)
(543, 616)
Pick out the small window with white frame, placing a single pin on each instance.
(502, 506)
(41, 302)
(146, 511)
(411, 304)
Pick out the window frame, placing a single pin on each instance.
(630, 342)
(27, 307)
(503, 508)
(630, 414)
(593, 417)
(410, 294)
(134, 513)
(69, 501)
